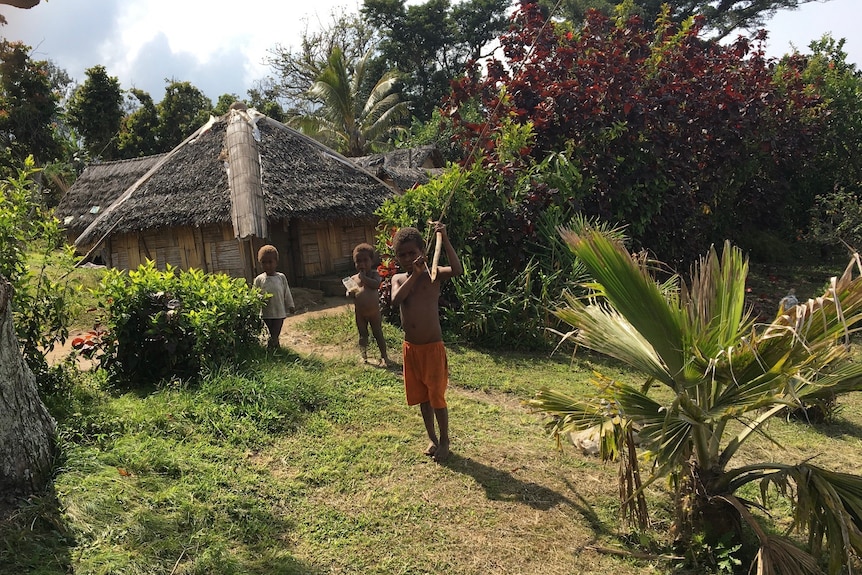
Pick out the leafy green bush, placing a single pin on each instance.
(170, 324)
(29, 257)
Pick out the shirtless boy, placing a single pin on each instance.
(366, 301)
(426, 371)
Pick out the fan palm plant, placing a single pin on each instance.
(344, 121)
(719, 377)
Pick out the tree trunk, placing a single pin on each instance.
(20, 3)
(27, 430)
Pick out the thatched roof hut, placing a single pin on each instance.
(238, 182)
(96, 189)
(405, 168)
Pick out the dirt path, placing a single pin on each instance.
(309, 306)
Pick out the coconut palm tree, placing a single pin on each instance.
(713, 377)
(345, 122)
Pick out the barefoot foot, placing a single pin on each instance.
(431, 449)
(441, 453)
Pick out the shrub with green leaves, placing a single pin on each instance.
(172, 323)
(38, 270)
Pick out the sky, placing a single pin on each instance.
(221, 48)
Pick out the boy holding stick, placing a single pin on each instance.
(426, 370)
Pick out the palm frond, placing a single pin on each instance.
(715, 300)
(777, 555)
(633, 293)
(603, 329)
(827, 505)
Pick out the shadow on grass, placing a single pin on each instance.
(36, 538)
(837, 429)
(503, 486)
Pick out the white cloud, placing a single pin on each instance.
(220, 48)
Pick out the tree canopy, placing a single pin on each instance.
(95, 110)
(29, 105)
(431, 43)
(721, 17)
(345, 120)
(686, 141)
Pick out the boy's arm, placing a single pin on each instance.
(371, 281)
(402, 284)
(454, 268)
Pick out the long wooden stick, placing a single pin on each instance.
(435, 262)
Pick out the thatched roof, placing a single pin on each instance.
(97, 188)
(404, 168)
(299, 179)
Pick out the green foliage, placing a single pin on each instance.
(504, 224)
(38, 271)
(28, 107)
(95, 110)
(836, 219)
(453, 194)
(224, 103)
(296, 70)
(607, 95)
(171, 324)
(833, 176)
(139, 134)
(718, 558)
(496, 314)
(721, 18)
(183, 110)
(706, 365)
(346, 119)
(431, 42)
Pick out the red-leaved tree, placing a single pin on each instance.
(687, 141)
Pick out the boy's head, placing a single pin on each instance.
(408, 235)
(408, 245)
(268, 258)
(363, 257)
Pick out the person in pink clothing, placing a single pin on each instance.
(274, 283)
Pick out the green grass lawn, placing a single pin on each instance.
(294, 464)
(303, 465)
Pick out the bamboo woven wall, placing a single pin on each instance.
(324, 248)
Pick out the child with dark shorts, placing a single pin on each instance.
(426, 370)
(274, 283)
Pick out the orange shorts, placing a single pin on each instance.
(426, 373)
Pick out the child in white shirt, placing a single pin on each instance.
(274, 283)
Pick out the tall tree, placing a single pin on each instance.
(95, 110)
(27, 430)
(224, 103)
(722, 17)
(353, 125)
(264, 98)
(183, 110)
(139, 134)
(431, 43)
(296, 70)
(28, 108)
(686, 141)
